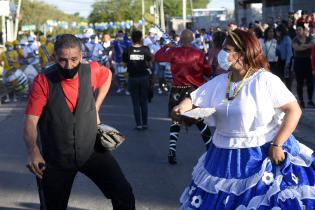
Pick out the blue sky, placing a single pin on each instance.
(84, 6)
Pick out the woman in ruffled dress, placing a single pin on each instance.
(254, 161)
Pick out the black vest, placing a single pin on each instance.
(68, 138)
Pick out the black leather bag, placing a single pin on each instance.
(108, 137)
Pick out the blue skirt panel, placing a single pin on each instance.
(245, 179)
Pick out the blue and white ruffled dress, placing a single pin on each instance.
(236, 172)
(246, 179)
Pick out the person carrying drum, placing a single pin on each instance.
(21, 56)
(45, 52)
(188, 67)
(10, 59)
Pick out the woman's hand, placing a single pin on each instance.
(176, 113)
(276, 154)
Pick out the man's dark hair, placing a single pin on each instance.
(136, 36)
(66, 41)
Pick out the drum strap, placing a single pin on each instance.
(10, 62)
(86, 51)
(45, 52)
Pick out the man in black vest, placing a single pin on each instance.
(63, 108)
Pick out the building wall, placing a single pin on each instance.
(273, 11)
(308, 5)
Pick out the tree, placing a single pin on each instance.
(37, 13)
(113, 10)
(106, 11)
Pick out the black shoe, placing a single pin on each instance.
(311, 104)
(172, 157)
(302, 105)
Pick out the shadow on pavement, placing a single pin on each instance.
(31, 206)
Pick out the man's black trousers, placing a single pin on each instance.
(102, 169)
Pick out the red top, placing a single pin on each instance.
(313, 58)
(188, 65)
(40, 91)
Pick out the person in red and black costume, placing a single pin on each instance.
(189, 68)
(63, 107)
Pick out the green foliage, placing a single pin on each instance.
(113, 10)
(106, 11)
(37, 12)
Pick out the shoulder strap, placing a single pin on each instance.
(45, 52)
(10, 62)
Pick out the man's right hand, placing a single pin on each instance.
(36, 163)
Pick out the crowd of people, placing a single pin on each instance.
(245, 72)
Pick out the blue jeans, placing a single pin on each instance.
(139, 90)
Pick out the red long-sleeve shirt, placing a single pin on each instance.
(188, 65)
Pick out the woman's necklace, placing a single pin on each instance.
(239, 87)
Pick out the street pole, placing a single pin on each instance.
(143, 26)
(156, 13)
(162, 15)
(291, 5)
(17, 19)
(4, 31)
(184, 10)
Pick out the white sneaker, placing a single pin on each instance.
(7, 100)
(127, 93)
(119, 90)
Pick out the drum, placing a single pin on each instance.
(16, 80)
(30, 72)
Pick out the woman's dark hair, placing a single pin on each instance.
(66, 41)
(136, 36)
(283, 30)
(250, 48)
(267, 30)
(258, 32)
(301, 25)
(218, 38)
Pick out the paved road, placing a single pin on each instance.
(143, 158)
(157, 185)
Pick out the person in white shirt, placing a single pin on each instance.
(30, 50)
(269, 47)
(95, 49)
(254, 161)
(151, 41)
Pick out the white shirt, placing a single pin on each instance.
(95, 51)
(152, 44)
(269, 48)
(253, 118)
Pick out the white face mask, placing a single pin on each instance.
(223, 61)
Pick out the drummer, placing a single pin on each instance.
(9, 60)
(45, 51)
(20, 50)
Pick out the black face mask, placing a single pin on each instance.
(69, 73)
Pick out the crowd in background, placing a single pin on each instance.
(288, 44)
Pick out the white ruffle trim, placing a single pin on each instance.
(299, 193)
(252, 139)
(213, 184)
